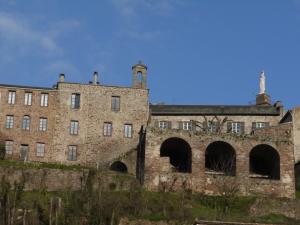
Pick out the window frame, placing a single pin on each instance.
(44, 100)
(75, 101)
(107, 129)
(43, 124)
(115, 103)
(11, 145)
(40, 153)
(26, 122)
(236, 127)
(71, 150)
(11, 98)
(74, 130)
(9, 123)
(163, 124)
(187, 125)
(28, 98)
(128, 133)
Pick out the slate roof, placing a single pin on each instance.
(214, 110)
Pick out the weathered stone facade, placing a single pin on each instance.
(98, 125)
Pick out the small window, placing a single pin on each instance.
(44, 99)
(26, 123)
(115, 103)
(235, 127)
(40, 149)
(74, 127)
(128, 130)
(11, 97)
(163, 125)
(72, 153)
(9, 121)
(43, 124)
(257, 125)
(75, 101)
(212, 126)
(187, 125)
(28, 98)
(9, 147)
(107, 129)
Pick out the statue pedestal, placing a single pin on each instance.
(263, 99)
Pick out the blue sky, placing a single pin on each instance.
(197, 51)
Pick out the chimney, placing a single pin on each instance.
(61, 78)
(95, 78)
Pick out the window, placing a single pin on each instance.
(26, 123)
(9, 147)
(43, 124)
(44, 99)
(257, 125)
(212, 126)
(235, 127)
(107, 129)
(115, 103)
(75, 101)
(128, 130)
(163, 124)
(11, 97)
(40, 149)
(187, 125)
(28, 98)
(72, 152)
(9, 121)
(74, 127)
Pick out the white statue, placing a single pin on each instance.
(262, 83)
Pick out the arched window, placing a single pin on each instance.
(179, 152)
(26, 123)
(119, 167)
(297, 175)
(140, 76)
(264, 162)
(220, 157)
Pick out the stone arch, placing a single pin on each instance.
(180, 154)
(119, 166)
(264, 162)
(220, 157)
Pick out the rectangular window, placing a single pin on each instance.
(28, 98)
(9, 147)
(236, 127)
(24, 152)
(40, 149)
(43, 124)
(44, 99)
(11, 97)
(163, 124)
(26, 123)
(187, 125)
(107, 129)
(75, 101)
(115, 103)
(72, 152)
(74, 127)
(257, 125)
(212, 126)
(9, 121)
(128, 130)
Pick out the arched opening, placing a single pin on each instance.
(220, 157)
(119, 167)
(297, 176)
(139, 76)
(179, 152)
(265, 162)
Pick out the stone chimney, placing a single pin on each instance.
(61, 78)
(95, 78)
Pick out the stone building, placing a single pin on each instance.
(195, 145)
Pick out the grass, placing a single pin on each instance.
(298, 194)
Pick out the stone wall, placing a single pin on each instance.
(296, 132)
(158, 170)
